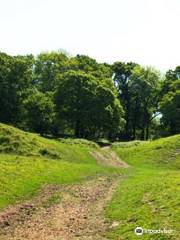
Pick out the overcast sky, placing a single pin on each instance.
(143, 31)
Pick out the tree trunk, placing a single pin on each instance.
(147, 131)
(143, 133)
(77, 129)
(134, 132)
(127, 127)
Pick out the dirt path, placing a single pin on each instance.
(77, 215)
(108, 157)
(65, 212)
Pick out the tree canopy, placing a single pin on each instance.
(54, 93)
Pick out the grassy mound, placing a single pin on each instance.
(16, 141)
(81, 142)
(150, 195)
(163, 153)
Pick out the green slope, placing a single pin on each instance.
(16, 141)
(150, 195)
(161, 153)
(28, 161)
(147, 197)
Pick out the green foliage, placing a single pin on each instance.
(122, 79)
(144, 87)
(39, 112)
(87, 104)
(92, 100)
(48, 67)
(170, 78)
(170, 102)
(170, 108)
(139, 91)
(15, 80)
(89, 65)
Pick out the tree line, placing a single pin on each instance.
(61, 95)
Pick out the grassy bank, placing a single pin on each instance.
(149, 197)
(28, 161)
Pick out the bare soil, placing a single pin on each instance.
(77, 215)
(108, 157)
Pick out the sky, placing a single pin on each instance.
(142, 31)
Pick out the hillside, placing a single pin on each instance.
(16, 141)
(28, 161)
(65, 188)
(149, 198)
(161, 153)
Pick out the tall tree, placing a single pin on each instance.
(15, 80)
(145, 89)
(89, 106)
(102, 71)
(48, 67)
(170, 77)
(170, 108)
(39, 112)
(122, 78)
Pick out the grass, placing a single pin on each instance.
(54, 199)
(16, 141)
(128, 144)
(28, 161)
(162, 153)
(149, 196)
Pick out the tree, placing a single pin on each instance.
(48, 67)
(39, 112)
(122, 80)
(170, 77)
(170, 108)
(15, 80)
(144, 87)
(90, 107)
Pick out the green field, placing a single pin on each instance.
(150, 196)
(147, 196)
(28, 161)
